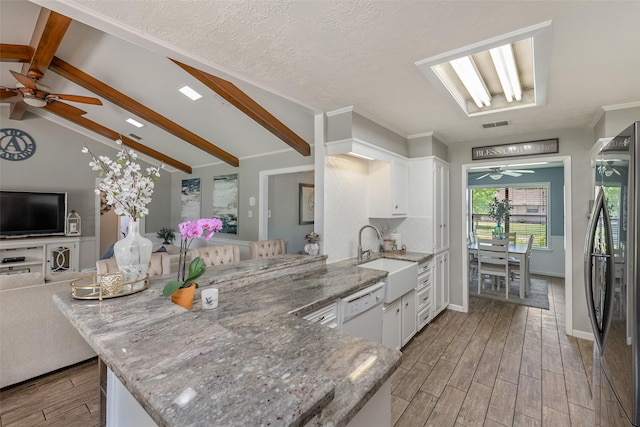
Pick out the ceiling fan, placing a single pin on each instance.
(497, 173)
(39, 95)
(606, 168)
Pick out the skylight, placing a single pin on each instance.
(134, 122)
(190, 93)
(502, 73)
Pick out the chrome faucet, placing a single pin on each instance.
(368, 252)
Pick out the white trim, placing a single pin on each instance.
(358, 146)
(581, 334)
(456, 307)
(621, 106)
(339, 111)
(420, 135)
(263, 193)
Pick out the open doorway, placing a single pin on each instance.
(553, 231)
(281, 195)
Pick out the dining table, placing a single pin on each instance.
(518, 251)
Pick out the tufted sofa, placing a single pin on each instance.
(267, 248)
(159, 265)
(35, 337)
(217, 255)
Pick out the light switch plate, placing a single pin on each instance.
(250, 215)
(252, 201)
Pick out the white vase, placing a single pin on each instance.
(312, 248)
(133, 254)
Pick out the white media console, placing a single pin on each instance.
(41, 255)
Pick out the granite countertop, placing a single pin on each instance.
(252, 361)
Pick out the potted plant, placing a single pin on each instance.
(183, 289)
(499, 211)
(167, 235)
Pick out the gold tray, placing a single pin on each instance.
(103, 286)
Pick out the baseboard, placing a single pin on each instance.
(547, 273)
(582, 335)
(456, 307)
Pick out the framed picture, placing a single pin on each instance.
(306, 201)
(190, 201)
(225, 202)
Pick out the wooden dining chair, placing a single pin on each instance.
(511, 237)
(516, 268)
(493, 260)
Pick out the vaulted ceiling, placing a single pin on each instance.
(265, 68)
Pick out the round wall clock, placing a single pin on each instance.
(16, 145)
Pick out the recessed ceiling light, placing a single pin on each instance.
(134, 122)
(190, 93)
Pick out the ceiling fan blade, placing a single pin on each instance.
(523, 171)
(482, 176)
(75, 98)
(511, 173)
(6, 92)
(25, 80)
(615, 171)
(70, 109)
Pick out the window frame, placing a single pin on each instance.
(546, 185)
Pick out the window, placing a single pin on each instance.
(529, 213)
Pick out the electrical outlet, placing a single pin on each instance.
(250, 214)
(252, 201)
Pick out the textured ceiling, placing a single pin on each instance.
(326, 55)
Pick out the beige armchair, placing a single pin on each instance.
(267, 248)
(159, 265)
(217, 255)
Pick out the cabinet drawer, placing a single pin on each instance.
(424, 280)
(325, 316)
(425, 267)
(424, 298)
(424, 316)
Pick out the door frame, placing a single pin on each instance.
(568, 228)
(263, 191)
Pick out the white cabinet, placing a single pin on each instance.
(429, 198)
(441, 282)
(388, 188)
(46, 255)
(326, 316)
(408, 311)
(392, 325)
(399, 321)
(424, 295)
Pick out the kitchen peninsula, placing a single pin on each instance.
(252, 361)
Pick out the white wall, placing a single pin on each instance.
(345, 205)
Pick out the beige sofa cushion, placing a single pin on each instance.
(13, 281)
(267, 248)
(159, 265)
(217, 255)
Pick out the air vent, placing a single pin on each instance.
(134, 136)
(495, 124)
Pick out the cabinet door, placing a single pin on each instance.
(445, 279)
(391, 325)
(443, 189)
(437, 218)
(400, 182)
(408, 316)
(441, 282)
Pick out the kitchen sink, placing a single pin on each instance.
(402, 278)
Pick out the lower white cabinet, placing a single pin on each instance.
(43, 255)
(326, 316)
(392, 325)
(408, 311)
(399, 321)
(441, 282)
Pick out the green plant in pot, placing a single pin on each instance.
(167, 235)
(182, 290)
(499, 211)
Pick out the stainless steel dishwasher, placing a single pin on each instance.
(362, 313)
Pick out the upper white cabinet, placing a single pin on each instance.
(429, 190)
(388, 188)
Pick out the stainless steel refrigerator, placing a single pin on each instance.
(611, 279)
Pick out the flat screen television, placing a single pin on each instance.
(25, 214)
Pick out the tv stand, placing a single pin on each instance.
(41, 255)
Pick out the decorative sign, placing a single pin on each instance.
(530, 148)
(16, 145)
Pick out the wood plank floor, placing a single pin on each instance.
(498, 365)
(501, 364)
(66, 398)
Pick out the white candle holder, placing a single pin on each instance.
(209, 298)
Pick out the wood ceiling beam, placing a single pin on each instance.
(14, 53)
(113, 135)
(101, 89)
(47, 35)
(251, 108)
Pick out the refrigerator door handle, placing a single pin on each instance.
(600, 332)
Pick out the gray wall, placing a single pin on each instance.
(248, 186)
(614, 121)
(575, 143)
(284, 207)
